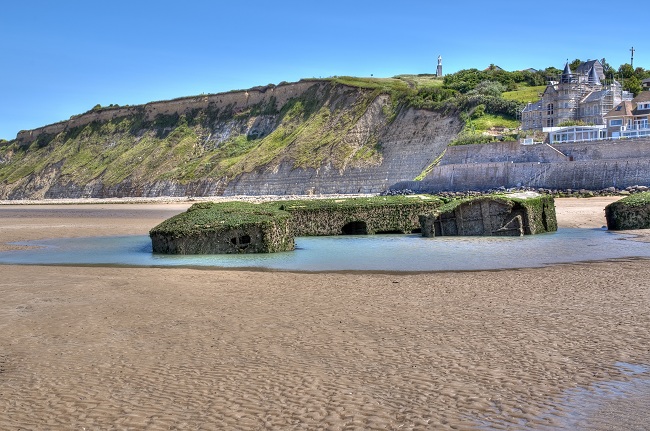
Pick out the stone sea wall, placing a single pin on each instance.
(591, 166)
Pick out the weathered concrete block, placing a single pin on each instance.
(208, 228)
(359, 216)
(491, 216)
(632, 212)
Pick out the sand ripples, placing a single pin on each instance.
(102, 348)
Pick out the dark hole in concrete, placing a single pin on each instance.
(355, 228)
(388, 232)
(418, 230)
(242, 241)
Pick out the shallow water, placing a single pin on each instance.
(602, 406)
(352, 253)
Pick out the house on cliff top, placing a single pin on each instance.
(580, 96)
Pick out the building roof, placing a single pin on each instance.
(593, 76)
(537, 106)
(643, 96)
(566, 74)
(646, 81)
(594, 96)
(623, 109)
(585, 68)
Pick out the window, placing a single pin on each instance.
(644, 106)
(549, 122)
(549, 109)
(616, 122)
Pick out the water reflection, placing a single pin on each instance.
(362, 253)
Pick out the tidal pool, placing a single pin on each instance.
(351, 253)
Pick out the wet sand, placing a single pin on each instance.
(159, 349)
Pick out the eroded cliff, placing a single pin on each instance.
(300, 138)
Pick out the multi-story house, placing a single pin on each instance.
(629, 119)
(574, 96)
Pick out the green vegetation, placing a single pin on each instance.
(504, 215)
(317, 127)
(635, 200)
(631, 212)
(234, 227)
(355, 203)
(488, 122)
(215, 217)
(569, 123)
(239, 227)
(525, 94)
(429, 168)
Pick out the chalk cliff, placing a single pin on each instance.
(313, 136)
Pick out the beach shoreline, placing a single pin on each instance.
(185, 348)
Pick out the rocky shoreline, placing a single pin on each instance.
(558, 193)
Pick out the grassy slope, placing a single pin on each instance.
(309, 131)
(525, 94)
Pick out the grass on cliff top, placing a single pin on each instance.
(525, 94)
(488, 122)
(384, 84)
(635, 200)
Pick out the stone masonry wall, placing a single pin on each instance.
(592, 166)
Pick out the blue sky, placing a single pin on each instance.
(60, 58)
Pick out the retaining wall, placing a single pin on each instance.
(590, 175)
(544, 153)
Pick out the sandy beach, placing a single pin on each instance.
(101, 348)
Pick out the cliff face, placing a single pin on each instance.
(301, 138)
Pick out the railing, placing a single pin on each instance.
(635, 132)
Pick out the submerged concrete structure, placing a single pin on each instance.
(491, 216)
(632, 212)
(210, 228)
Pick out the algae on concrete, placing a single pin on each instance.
(632, 212)
(360, 216)
(497, 215)
(239, 227)
(234, 227)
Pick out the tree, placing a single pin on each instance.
(489, 88)
(552, 72)
(608, 70)
(641, 73)
(575, 63)
(633, 85)
(626, 71)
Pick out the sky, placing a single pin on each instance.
(61, 58)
